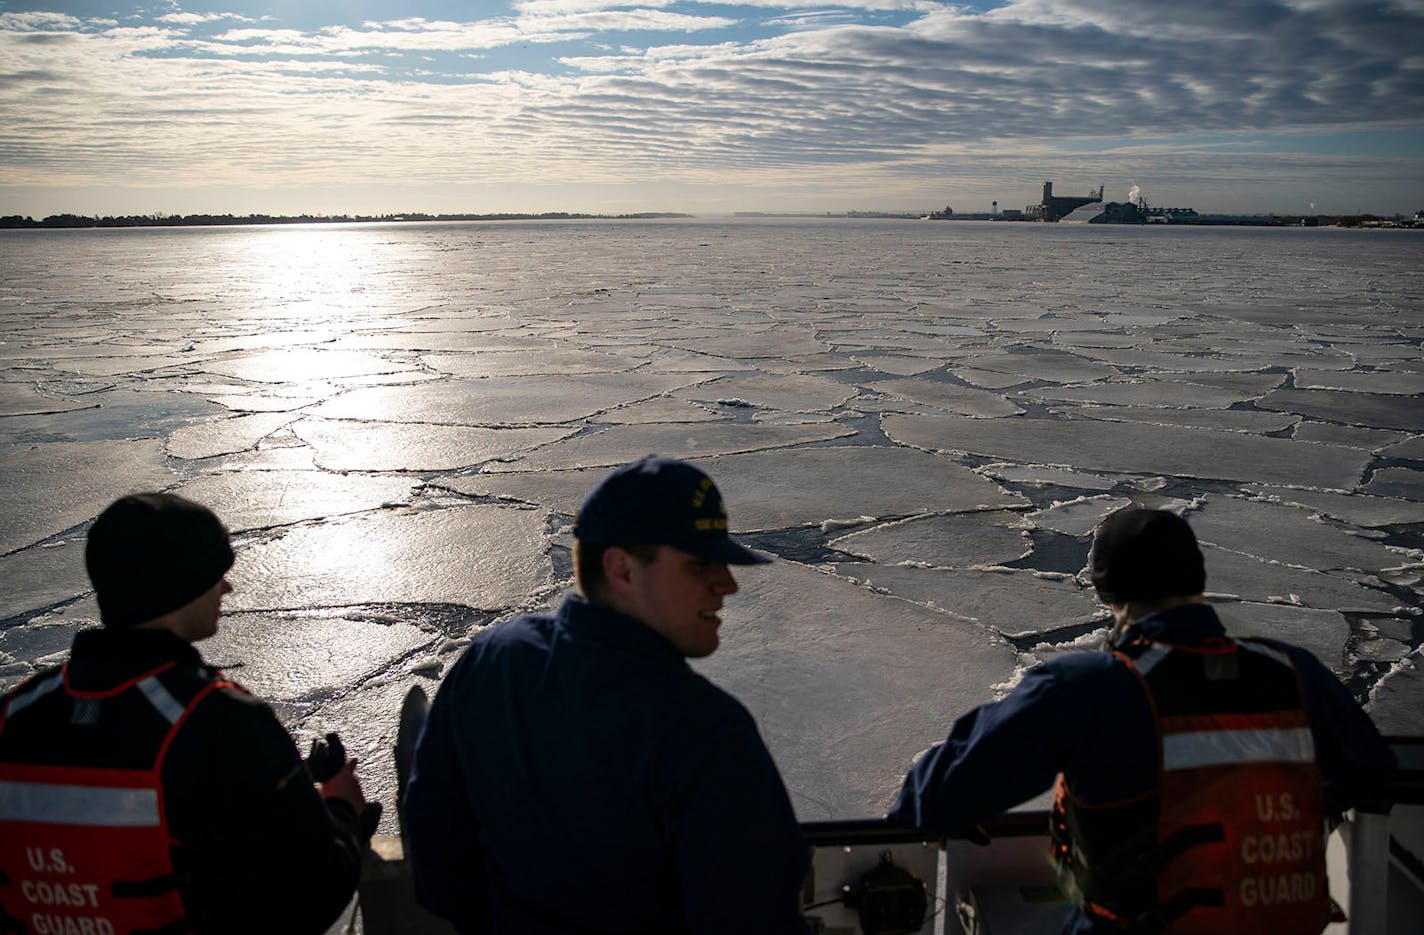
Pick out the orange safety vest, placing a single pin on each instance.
(1232, 836)
(85, 849)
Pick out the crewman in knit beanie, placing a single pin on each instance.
(151, 553)
(136, 768)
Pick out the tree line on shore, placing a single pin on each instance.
(63, 221)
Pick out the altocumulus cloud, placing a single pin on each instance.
(894, 91)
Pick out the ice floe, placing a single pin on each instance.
(248, 500)
(481, 556)
(502, 400)
(343, 445)
(847, 685)
(1014, 602)
(946, 541)
(1132, 448)
(53, 487)
(224, 436)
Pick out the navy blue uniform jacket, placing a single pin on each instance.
(576, 775)
(1086, 715)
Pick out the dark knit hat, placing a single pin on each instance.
(150, 553)
(1144, 555)
(661, 501)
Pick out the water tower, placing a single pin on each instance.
(995, 205)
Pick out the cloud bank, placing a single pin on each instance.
(851, 97)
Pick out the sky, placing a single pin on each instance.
(707, 107)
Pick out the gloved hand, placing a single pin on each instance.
(326, 758)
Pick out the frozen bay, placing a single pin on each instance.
(923, 421)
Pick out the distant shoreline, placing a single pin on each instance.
(68, 221)
(79, 222)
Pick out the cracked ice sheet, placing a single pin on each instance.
(1411, 448)
(1249, 384)
(559, 492)
(1374, 381)
(113, 367)
(299, 658)
(1235, 420)
(1368, 409)
(1397, 700)
(676, 360)
(1142, 393)
(1184, 362)
(224, 436)
(810, 486)
(265, 340)
(22, 399)
(523, 363)
(989, 379)
(41, 577)
(659, 409)
(343, 445)
(792, 392)
(899, 366)
(481, 556)
(955, 541)
(1245, 578)
(1077, 517)
(1322, 632)
(1351, 436)
(1126, 447)
(847, 685)
(1054, 367)
(1011, 602)
(243, 404)
(55, 486)
(262, 499)
(502, 400)
(282, 366)
(1355, 509)
(749, 344)
(1050, 476)
(1397, 482)
(947, 396)
(464, 340)
(623, 443)
(1277, 532)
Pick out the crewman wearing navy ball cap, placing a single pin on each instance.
(576, 775)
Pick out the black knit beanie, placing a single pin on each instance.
(1144, 555)
(150, 553)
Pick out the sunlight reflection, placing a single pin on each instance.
(314, 263)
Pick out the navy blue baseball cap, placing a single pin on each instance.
(661, 501)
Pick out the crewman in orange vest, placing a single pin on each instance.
(143, 791)
(1193, 773)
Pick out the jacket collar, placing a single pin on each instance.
(1188, 625)
(604, 625)
(102, 658)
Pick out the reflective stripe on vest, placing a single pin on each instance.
(161, 699)
(1223, 747)
(58, 804)
(28, 696)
